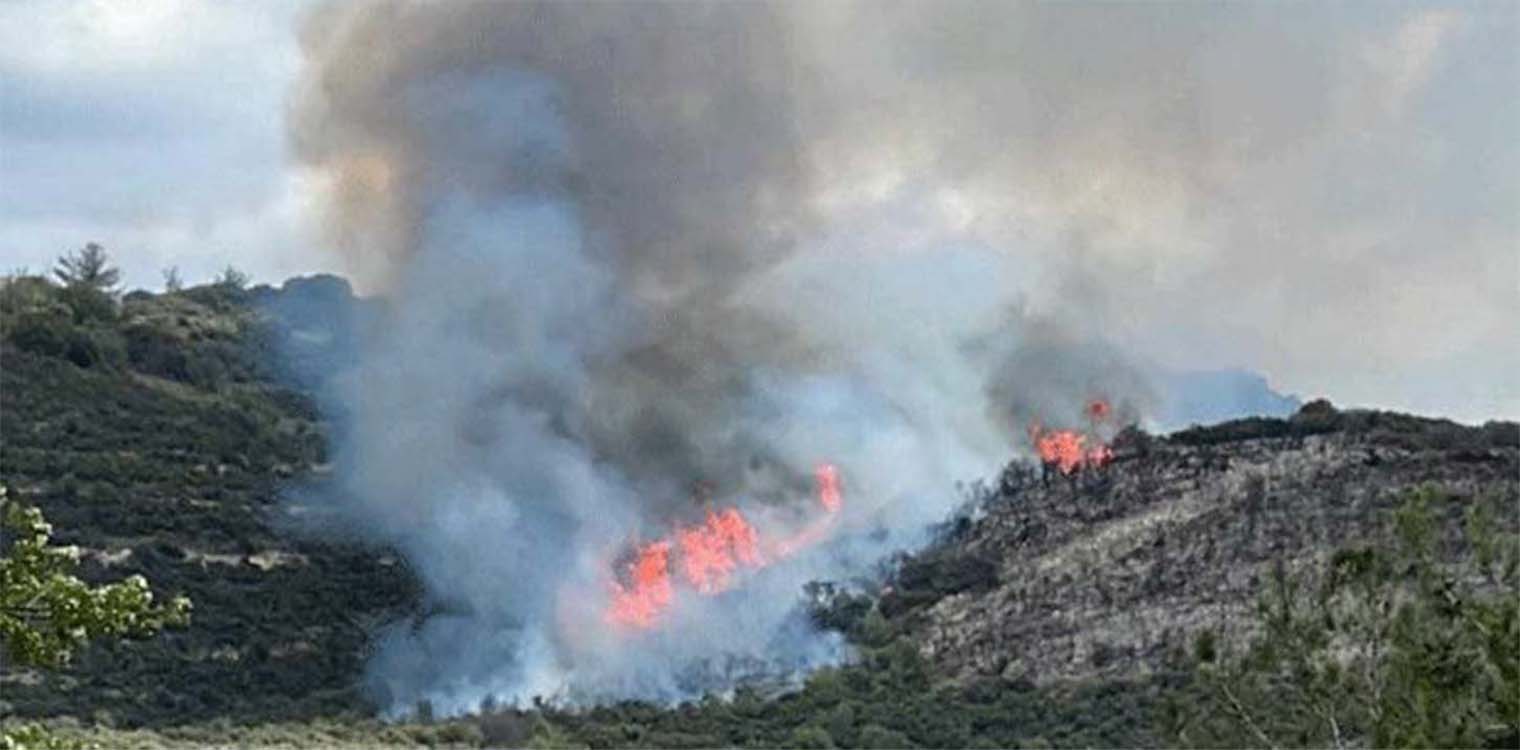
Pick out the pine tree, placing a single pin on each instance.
(89, 266)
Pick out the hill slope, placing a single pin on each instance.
(159, 438)
(167, 460)
(1101, 574)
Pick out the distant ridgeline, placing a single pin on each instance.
(207, 336)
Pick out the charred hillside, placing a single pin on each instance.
(1107, 572)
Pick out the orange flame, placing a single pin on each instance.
(648, 592)
(1070, 451)
(710, 554)
(828, 487)
(826, 477)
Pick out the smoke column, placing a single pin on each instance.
(636, 254)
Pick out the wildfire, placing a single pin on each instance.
(828, 488)
(710, 554)
(648, 592)
(1070, 451)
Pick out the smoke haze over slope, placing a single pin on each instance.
(633, 249)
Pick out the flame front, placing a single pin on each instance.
(648, 592)
(711, 552)
(1070, 451)
(828, 488)
(710, 555)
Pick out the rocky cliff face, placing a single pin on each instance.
(1100, 574)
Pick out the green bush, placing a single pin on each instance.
(97, 347)
(154, 351)
(1396, 643)
(88, 304)
(41, 333)
(877, 737)
(32, 736)
(811, 738)
(85, 345)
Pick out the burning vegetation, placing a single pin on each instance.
(706, 558)
(1071, 451)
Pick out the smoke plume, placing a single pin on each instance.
(639, 256)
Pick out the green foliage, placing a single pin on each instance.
(884, 699)
(1392, 644)
(50, 336)
(179, 485)
(90, 267)
(811, 737)
(21, 293)
(34, 736)
(74, 322)
(207, 337)
(232, 278)
(875, 736)
(46, 613)
(546, 736)
(88, 304)
(227, 293)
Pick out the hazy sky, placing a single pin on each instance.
(1328, 197)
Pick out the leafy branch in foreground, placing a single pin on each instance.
(47, 613)
(1395, 643)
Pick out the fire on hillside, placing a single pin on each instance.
(1071, 451)
(709, 557)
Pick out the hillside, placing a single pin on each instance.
(159, 439)
(164, 453)
(1100, 575)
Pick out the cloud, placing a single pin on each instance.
(155, 128)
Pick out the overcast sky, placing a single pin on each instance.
(155, 127)
(1358, 168)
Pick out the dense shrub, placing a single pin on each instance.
(41, 333)
(152, 350)
(88, 304)
(86, 346)
(217, 296)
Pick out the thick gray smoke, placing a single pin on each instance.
(608, 286)
(639, 253)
